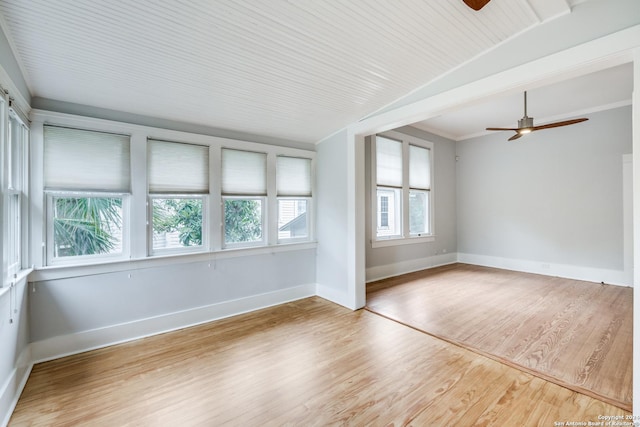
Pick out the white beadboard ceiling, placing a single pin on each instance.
(293, 69)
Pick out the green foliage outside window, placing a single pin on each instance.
(93, 225)
(242, 220)
(86, 225)
(181, 215)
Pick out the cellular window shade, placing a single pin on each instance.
(388, 162)
(244, 173)
(178, 168)
(293, 176)
(419, 167)
(85, 160)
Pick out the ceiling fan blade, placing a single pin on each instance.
(513, 129)
(476, 4)
(558, 124)
(516, 136)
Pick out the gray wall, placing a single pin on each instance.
(444, 205)
(79, 304)
(14, 340)
(554, 196)
(14, 337)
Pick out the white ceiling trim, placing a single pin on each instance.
(425, 127)
(606, 52)
(549, 9)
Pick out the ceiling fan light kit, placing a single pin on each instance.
(525, 124)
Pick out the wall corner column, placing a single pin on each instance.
(356, 220)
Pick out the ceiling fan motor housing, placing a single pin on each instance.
(525, 122)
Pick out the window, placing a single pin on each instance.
(419, 190)
(14, 189)
(178, 188)
(389, 212)
(86, 225)
(384, 212)
(244, 190)
(104, 195)
(293, 183)
(401, 174)
(86, 181)
(389, 187)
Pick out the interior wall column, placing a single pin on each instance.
(356, 220)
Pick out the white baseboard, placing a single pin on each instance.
(60, 346)
(403, 267)
(333, 295)
(13, 386)
(611, 277)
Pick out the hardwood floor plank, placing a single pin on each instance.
(575, 333)
(308, 363)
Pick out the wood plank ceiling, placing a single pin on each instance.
(298, 70)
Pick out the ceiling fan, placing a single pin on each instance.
(525, 124)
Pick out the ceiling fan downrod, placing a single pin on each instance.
(525, 124)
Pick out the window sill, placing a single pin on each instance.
(69, 271)
(20, 276)
(402, 241)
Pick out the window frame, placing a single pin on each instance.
(15, 189)
(405, 236)
(261, 192)
(137, 203)
(52, 260)
(396, 220)
(203, 247)
(184, 191)
(263, 215)
(14, 232)
(383, 221)
(308, 218)
(300, 193)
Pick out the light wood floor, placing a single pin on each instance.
(577, 334)
(306, 363)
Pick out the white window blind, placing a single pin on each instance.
(388, 162)
(80, 160)
(419, 167)
(178, 168)
(293, 176)
(244, 173)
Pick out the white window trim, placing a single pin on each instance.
(15, 165)
(13, 268)
(406, 237)
(138, 199)
(309, 214)
(263, 219)
(85, 259)
(185, 249)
